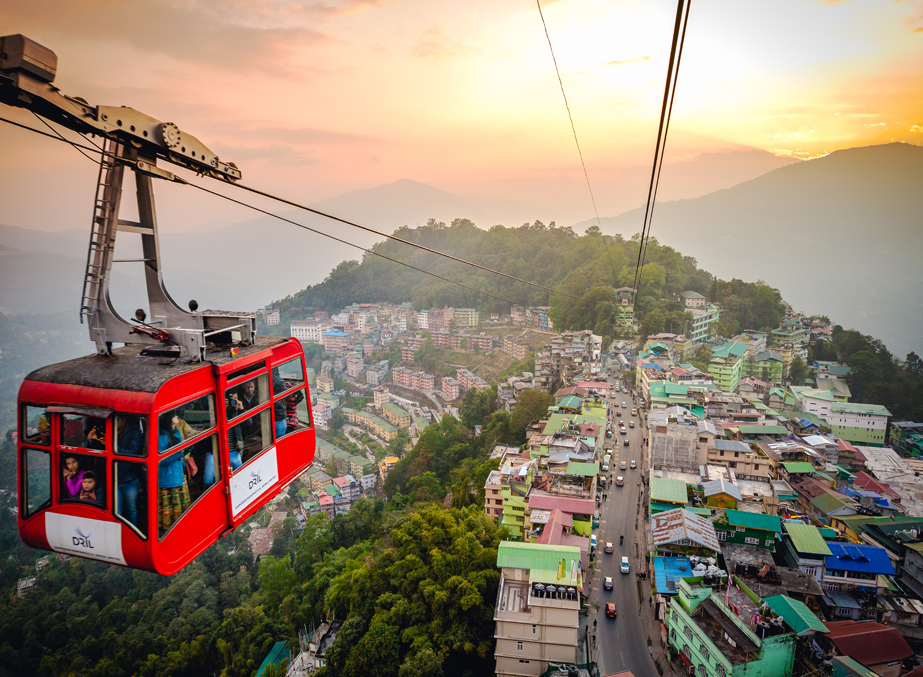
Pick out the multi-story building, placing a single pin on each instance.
(423, 319)
(335, 341)
(812, 400)
(396, 416)
(746, 462)
(907, 437)
(325, 384)
(517, 314)
(355, 366)
(386, 465)
(768, 366)
(537, 613)
(716, 642)
(726, 365)
(702, 320)
(538, 317)
(381, 396)
(308, 331)
(754, 340)
(466, 317)
(791, 331)
(374, 424)
(515, 347)
(375, 373)
(271, 316)
(864, 424)
(451, 389)
(468, 380)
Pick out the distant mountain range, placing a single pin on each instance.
(840, 235)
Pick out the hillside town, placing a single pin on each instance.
(777, 524)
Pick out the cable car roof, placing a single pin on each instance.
(128, 369)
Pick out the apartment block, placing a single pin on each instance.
(395, 415)
(864, 424)
(537, 614)
(451, 389)
(335, 341)
(468, 380)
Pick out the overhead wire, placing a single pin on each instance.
(409, 243)
(79, 147)
(676, 51)
(574, 129)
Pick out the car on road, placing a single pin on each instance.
(609, 434)
(631, 424)
(610, 610)
(620, 481)
(626, 441)
(633, 464)
(608, 548)
(624, 405)
(634, 412)
(621, 424)
(607, 584)
(623, 431)
(623, 465)
(624, 567)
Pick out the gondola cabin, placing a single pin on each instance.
(145, 461)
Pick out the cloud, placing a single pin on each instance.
(916, 128)
(228, 34)
(436, 43)
(624, 62)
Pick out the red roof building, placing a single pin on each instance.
(878, 647)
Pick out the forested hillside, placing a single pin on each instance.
(583, 270)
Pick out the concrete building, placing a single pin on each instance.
(308, 331)
(396, 416)
(375, 373)
(468, 380)
(624, 306)
(715, 642)
(515, 347)
(864, 424)
(674, 446)
(746, 462)
(538, 605)
(335, 341)
(467, 317)
(325, 384)
(381, 396)
(451, 390)
(702, 320)
(355, 366)
(726, 365)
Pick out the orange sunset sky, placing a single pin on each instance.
(312, 99)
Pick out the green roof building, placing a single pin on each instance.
(797, 614)
(749, 528)
(726, 365)
(670, 491)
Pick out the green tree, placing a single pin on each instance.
(797, 371)
(531, 406)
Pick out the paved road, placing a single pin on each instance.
(621, 643)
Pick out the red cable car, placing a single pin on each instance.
(145, 462)
(144, 455)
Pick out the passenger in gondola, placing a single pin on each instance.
(96, 437)
(279, 408)
(173, 491)
(130, 440)
(91, 491)
(291, 410)
(73, 476)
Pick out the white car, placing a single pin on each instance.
(624, 567)
(607, 585)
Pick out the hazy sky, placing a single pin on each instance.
(312, 99)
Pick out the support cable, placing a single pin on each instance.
(676, 50)
(579, 152)
(58, 137)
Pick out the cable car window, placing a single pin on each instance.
(294, 413)
(286, 376)
(130, 433)
(36, 481)
(246, 396)
(182, 478)
(185, 422)
(251, 436)
(36, 427)
(83, 479)
(131, 494)
(246, 370)
(83, 432)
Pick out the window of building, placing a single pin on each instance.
(769, 542)
(751, 541)
(688, 632)
(519, 646)
(722, 535)
(704, 651)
